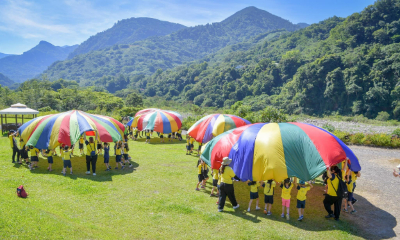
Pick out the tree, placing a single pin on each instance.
(134, 100)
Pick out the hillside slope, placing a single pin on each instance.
(31, 63)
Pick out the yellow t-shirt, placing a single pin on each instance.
(67, 154)
(350, 186)
(90, 147)
(147, 134)
(179, 131)
(267, 190)
(335, 183)
(187, 141)
(301, 193)
(200, 167)
(286, 192)
(34, 152)
(353, 176)
(118, 151)
(134, 131)
(215, 174)
(254, 187)
(191, 140)
(227, 176)
(219, 179)
(11, 141)
(81, 140)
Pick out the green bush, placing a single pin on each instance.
(381, 140)
(382, 116)
(396, 132)
(344, 136)
(357, 138)
(329, 127)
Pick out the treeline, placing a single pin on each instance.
(339, 66)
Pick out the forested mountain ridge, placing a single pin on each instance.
(185, 45)
(339, 66)
(126, 31)
(5, 81)
(34, 61)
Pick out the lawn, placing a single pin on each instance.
(154, 200)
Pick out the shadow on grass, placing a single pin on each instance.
(79, 168)
(369, 222)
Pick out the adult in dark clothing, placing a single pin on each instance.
(331, 197)
(226, 186)
(14, 145)
(91, 155)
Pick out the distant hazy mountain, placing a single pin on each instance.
(31, 63)
(303, 25)
(188, 44)
(2, 55)
(5, 81)
(127, 31)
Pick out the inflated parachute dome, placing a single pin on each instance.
(264, 151)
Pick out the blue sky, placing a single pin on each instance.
(23, 23)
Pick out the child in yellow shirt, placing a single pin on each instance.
(301, 197)
(34, 157)
(268, 195)
(286, 190)
(66, 156)
(253, 193)
(215, 173)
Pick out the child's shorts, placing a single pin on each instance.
(118, 158)
(301, 204)
(350, 196)
(161, 136)
(34, 159)
(126, 157)
(286, 202)
(253, 195)
(136, 135)
(191, 146)
(67, 163)
(106, 159)
(188, 147)
(80, 145)
(99, 146)
(269, 199)
(215, 182)
(199, 148)
(148, 137)
(50, 159)
(200, 177)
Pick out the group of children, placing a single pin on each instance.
(286, 186)
(190, 146)
(135, 134)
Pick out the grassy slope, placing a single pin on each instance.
(155, 200)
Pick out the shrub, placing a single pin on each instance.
(382, 116)
(329, 127)
(357, 138)
(381, 140)
(396, 132)
(344, 136)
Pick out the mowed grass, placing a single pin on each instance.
(154, 200)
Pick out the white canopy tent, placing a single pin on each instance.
(15, 109)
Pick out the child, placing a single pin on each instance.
(179, 135)
(66, 156)
(354, 176)
(187, 145)
(253, 193)
(34, 158)
(200, 174)
(268, 195)
(162, 137)
(107, 156)
(218, 184)
(215, 173)
(350, 188)
(24, 152)
(126, 138)
(301, 197)
(49, 158)
(191, 145)
(81, 142)
(135, 134)
(199, 149)
(169, 137)
(99, 147)
(118, 154)
(286, 189)
(147, 136)
(126, 155)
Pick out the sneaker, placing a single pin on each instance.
(116, 168)
(203, 186)
(300, 218)
(265, 211)
(353, 202)
(63, 174)
(257, 208)
(237, 206)
(197, 189)
(107, 169)
(211, 195)
(269, 213)
(248, 209)
(122, 168)
(345, 210)
(217, 203)
(282, 215)
(130, 165)
(88, 172)
(220, 210)
(94, 174)
(354, 211)
(70, 173)
(287, 217)
(13, 161)
(336, 219)
(329, 216)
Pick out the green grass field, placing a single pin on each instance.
(154, 200)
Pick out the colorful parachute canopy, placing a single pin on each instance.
(133, 122)
(163, 121)
(147, 110)
(213, 125)
(49, 131)
(264, 151)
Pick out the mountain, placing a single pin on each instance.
(346, 66)
(127, 31)
(2, 55)
(5, 81)
(33, 62)
(162, 52)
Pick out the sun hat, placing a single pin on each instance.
(226, 161)
(302, 182)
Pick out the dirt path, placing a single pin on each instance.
(377, 192)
